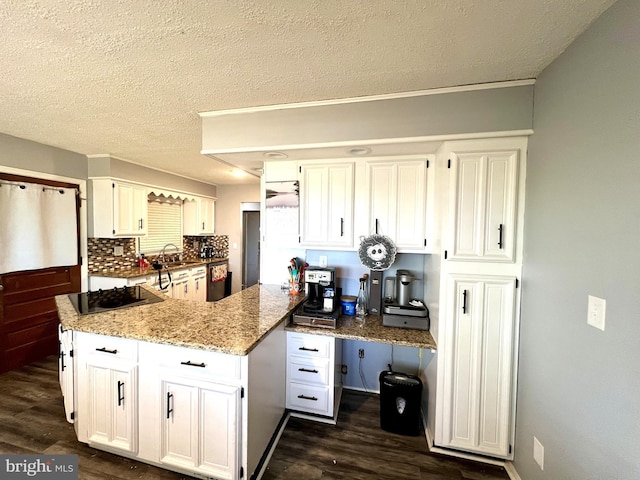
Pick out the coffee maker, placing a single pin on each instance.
(320, 287)
(400, 310)
(321, 309)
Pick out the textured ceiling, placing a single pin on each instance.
(128, 78)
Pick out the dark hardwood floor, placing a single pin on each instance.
(32, 421)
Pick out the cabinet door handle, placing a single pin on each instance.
(500, 230)
(377, 223)
(308, 398)
(120, 393)
(342, 227)
(203, 226)
(464, 301)
(106, 350)
(140, 224)
(305, 349)
(61, 359)
(169, 404)
(307, 370)
(191, 364)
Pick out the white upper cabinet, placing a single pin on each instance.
(199, 216)
(397, 200)
(326, 205)
(119, 209)
(484, 205)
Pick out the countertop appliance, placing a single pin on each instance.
(403, 312)
(322, 307)
(104, 300)
(218, 280)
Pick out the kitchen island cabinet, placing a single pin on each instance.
(210, 380)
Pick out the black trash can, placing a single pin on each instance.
(400, 396)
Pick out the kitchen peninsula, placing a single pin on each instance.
(194, 387)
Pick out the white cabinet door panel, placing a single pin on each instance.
(411, 206)
(219, 424)
(397, 193)
(478, 364)
(179, 428)
(484, 206)
(326, 205)
(112, 390)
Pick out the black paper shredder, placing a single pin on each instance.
(400, 397)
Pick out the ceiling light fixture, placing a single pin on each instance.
(275, 155)
(359, 151)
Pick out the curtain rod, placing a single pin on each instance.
(44, 187)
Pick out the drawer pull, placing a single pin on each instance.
(308, 349)
(307, 370)
(106, 350)
(191, 364)
(304, 397)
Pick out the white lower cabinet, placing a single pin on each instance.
(199, 429)
(194, 416)
(198, 284)
(66, 368)
(180, 285)
(203, 413)
(107, 392)
(314, 380)
(477, 358)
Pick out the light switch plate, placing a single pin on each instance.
(118, 251)
(596, 310)
(538, 453)
(323, 261)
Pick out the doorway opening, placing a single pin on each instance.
(250, 244)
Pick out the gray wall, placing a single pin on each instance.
(113, 167)
(27, 155)
(487, 110)
(579, 387)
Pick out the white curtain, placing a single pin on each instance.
(38, 227)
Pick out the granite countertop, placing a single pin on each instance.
(134, 272)
(233, 325)
(371, 331)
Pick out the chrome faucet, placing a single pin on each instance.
(162, 254)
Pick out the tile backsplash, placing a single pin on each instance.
(101, 256)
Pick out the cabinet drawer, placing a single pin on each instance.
(308, 398)
(308, 370)
(107, 347)
(191, 362)
(199, 271)
(309, 345)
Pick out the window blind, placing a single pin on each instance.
(164, 225)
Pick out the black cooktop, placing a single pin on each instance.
(104, 300)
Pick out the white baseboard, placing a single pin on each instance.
(511, 471)
(267, 455)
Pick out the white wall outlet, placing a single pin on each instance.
(538, 453)
(596, 312)
(323, 260)
(118, 251)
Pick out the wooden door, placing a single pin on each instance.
(28, 313)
